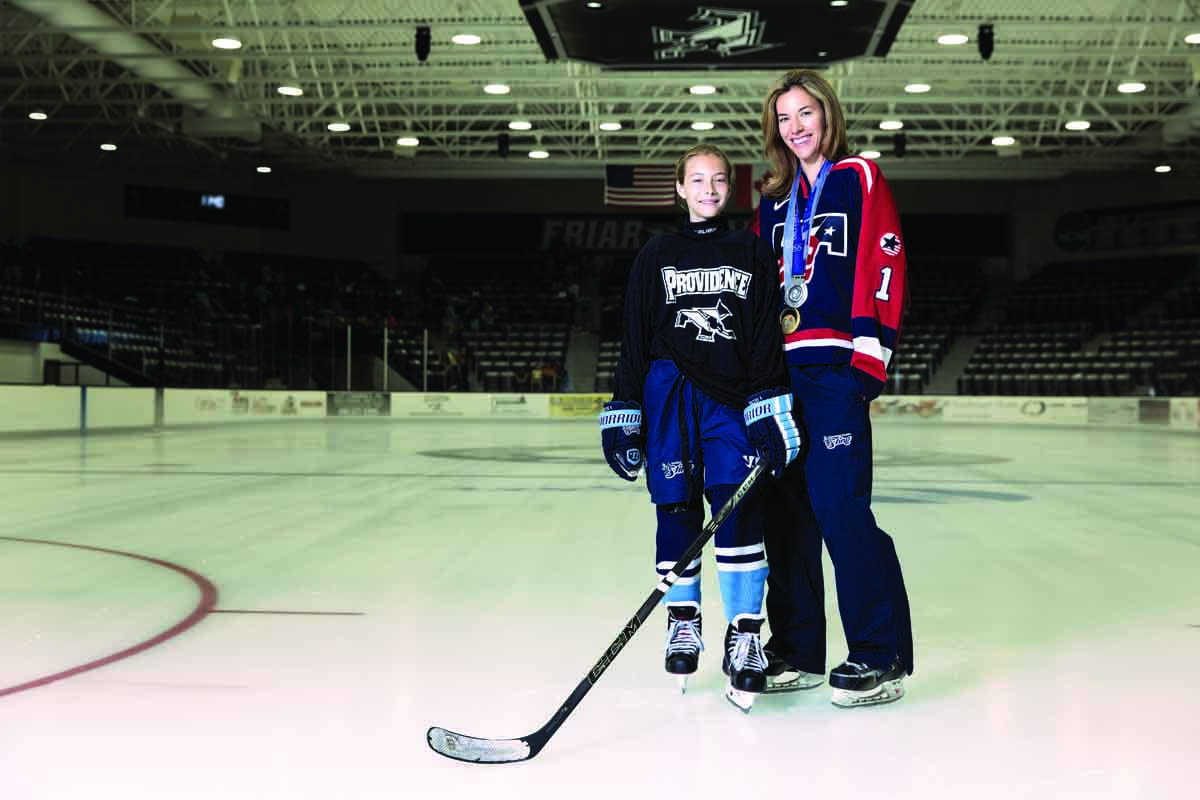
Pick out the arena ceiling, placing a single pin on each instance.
(145, 76)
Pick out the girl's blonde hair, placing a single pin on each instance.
(700, 149)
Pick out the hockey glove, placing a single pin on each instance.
(772, 428)
(622, 437)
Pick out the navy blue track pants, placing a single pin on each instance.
(826, 497)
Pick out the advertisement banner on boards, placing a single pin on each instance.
(359, 404)
(577, 405)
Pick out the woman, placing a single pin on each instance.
(831, 220)
(700, 358)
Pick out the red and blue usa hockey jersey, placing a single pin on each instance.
(857, 273)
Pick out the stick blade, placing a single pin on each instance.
(479, 751)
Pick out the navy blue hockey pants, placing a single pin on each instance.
(827, 497)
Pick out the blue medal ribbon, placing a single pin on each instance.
(795, 292)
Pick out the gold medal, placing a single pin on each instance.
(789, 320)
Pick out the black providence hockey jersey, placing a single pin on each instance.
(706, 298)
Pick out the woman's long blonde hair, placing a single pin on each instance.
(835, 145)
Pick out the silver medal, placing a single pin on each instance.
(796, 293)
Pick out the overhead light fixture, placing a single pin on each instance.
(503, 144)
(465, 39)
(290, 91)
(1077, 125)
(1192, 38)
(227, 43)
(917, 88)
(1162, 169)
(986, 41)
(538, 154)
(593, 5)
(839, 3)
(610, 126)
(1131, 87)
(702, 88)
(338, 127)
(871, 154)
(408, 141)
(702, 126)
(38, 115)
(108, 147)
(423, 42)
(520, 125)
(263, 170)
(891, 125)
(952, 39)
(497, 88)
(1003, 141)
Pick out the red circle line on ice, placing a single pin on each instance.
(208, 600)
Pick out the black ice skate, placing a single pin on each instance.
(783, 677)
(683, 641)
(744, 662)
(857, 684)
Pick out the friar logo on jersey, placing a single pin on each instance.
(709, 321)
(712, 280)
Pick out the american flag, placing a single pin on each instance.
(639, 186)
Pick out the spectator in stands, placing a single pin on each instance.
(831, 220)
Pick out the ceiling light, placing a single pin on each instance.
(497, 88)
(702, 126)
(872, 154)
(1192, 38)
(702, 88)
(1131, 87)
(538, 154)
(290, 91)
(338, 127)
(917, 88)
(594, 5)
(839, 3)
(263, 170)
(952, 38)
(891, 125)
(1163, 168)
(108, 147)
(38, 115)
(520, 125)
(465, 39)
(227, 43)
(1077, 125)
(408, 141)
(610, 126)
(1003, 141)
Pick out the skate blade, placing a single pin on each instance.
(742, 701)
(681, 681)
(793, 682)
(888, 692)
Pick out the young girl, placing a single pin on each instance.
(699, 396)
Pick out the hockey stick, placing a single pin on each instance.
(504, 751)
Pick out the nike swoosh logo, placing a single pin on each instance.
(780, 204)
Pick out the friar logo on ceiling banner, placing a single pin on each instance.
(651, 35)
(722, 31)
